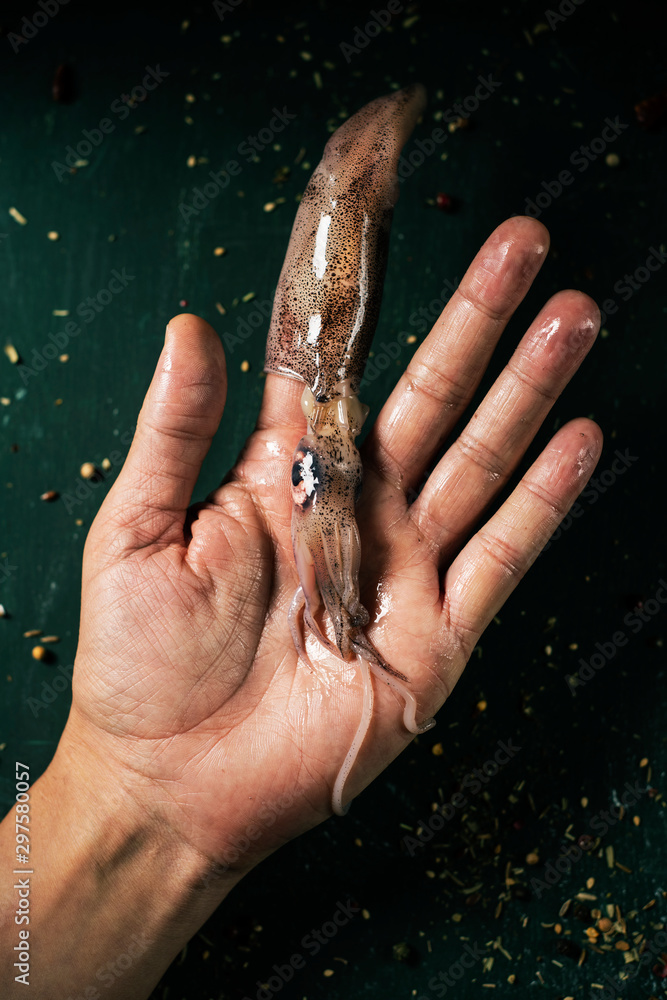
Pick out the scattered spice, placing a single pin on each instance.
(49, 496)
(245, 366)
(39, 653)
(106, 464)
(51, 638)
(219, 252)
(63, 358)
(532, 858)
(87, 470)
(458, 123)
(31, 633)
(12, 354)
(612, 159)
(16, 215)
(437, 750)
(53, 235)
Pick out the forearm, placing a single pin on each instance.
(113, 894)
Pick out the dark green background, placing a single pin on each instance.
(557, 88)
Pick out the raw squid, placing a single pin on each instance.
(324, 316)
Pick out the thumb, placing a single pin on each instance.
(179, 417)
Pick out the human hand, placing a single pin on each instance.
(187, 688)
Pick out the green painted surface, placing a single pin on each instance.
(121, 213)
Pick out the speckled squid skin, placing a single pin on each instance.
(329, 292)
(324, 316)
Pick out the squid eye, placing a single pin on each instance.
(306, 478)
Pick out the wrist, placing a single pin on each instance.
(115, 892)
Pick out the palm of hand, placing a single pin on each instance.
(187, 679)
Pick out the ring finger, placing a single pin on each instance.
(495, 439)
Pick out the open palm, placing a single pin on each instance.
(187, 684)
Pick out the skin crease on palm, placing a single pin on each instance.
(187, 691)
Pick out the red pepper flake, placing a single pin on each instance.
(49, 496)
(652, 110)
(62, 87)
(183, 303)
(445, 202)
(660, 970)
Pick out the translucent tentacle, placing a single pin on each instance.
(410, 702)
(359, 736)
(298, 602)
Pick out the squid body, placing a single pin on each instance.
(324, 316)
